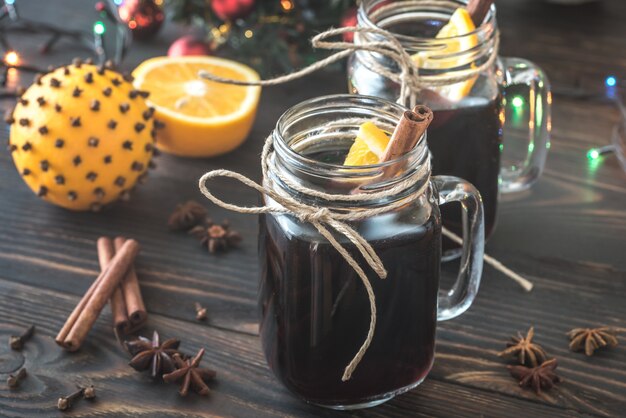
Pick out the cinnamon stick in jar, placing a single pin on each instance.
(478, 9)
(405, 137)
(408, 132)
(88, 309)
(135, 308)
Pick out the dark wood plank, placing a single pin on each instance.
(577, 46)
(244, 386)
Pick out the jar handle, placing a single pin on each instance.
(536, 101)
(458, 299)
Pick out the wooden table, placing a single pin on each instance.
(567, 235)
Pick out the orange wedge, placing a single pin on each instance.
(368, 147)
(456, 32)
(202, 118)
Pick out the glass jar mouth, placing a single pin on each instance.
(348, 112)
(379, 14)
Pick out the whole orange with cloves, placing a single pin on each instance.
(82, 136)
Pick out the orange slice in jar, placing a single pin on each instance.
(458, 40)
(368, 147)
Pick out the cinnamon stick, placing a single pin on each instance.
(135, 307)
(86, 312)
(122, 325)
(478, 9)
(408, 132)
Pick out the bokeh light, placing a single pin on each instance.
(11, 58)
(610, 81)
(517, 102)
(99, 28)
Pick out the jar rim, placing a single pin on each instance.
(483, 29)
(339, 100)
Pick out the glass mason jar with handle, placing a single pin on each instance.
(315, 310)
(466, 135)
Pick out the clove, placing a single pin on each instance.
(90, 392)
(16, 342)
(64, 403)
(13, 381)
(200, 312)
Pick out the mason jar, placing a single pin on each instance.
(509, 98)
(315, 310)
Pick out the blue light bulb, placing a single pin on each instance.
(610, 81)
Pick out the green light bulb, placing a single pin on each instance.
(517, 102)
(99, 28)
(593, 154)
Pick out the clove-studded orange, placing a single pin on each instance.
(82, 136)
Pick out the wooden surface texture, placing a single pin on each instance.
(567, 234)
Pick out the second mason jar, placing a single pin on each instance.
(466, 136)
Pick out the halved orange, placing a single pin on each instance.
(202, 118)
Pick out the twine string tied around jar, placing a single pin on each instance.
(408, 76)
(325, 219)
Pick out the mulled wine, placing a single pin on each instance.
(315, 310)
(465, 142)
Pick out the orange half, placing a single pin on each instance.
(202, 118)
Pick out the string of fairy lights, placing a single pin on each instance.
(12, 22)
(612, 93)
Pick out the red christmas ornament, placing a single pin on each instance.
(143, 17)
(189, 45)
(232, 9)
(349, 19)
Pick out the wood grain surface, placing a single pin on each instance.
(567, 234)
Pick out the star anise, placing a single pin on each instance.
(538, 378)
(216, 237)
(186, 216)
(591, 339)
(152, 354)
(192, 375)
(525, 350)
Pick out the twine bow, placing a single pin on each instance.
(325, 219)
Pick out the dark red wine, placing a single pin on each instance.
(465, 142)
(315, 311)
(464, 137)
